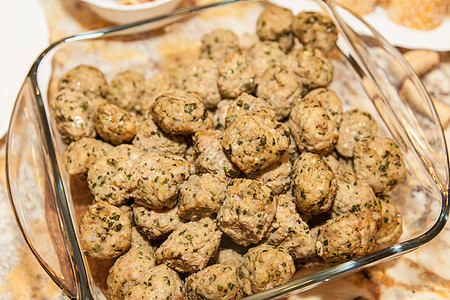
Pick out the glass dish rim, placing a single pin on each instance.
(83, 290)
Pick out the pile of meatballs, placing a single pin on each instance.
(218, 178)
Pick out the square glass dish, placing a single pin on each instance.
(47, 202)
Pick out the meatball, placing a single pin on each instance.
(190, 246)
(347, 237)
(82, 154)
(391, 226)
(214, 282)
(289, 231)
(105, 231)
(86, 79)
(247, 211)
(126, 90)
(219, 43)
(355, 126)
(190, 156)
(236, 76)
(379, 162)
(155, 224)
(71, 112)
(230, 257)
(220, 114)
(245, 103)
(151, 138)
(201, 196)
(108, 177)
(280, 87)
(316, 30)
(158, 283)
(137, 238)
(265, 267)
(314, 184)
(275, 24)
(211, 157)
(353, 194)
(179, 112)
(276, 176)
(330, 101)
(114, 125)
(312, 66)
(201, 78)
(263, 55)
(155, 179)
(153, 87)
(255, 141)
(127, 269)
(311, 127)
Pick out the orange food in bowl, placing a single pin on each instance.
(419, 14)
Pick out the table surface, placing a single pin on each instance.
(423, 274)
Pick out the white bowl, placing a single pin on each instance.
(114, 12)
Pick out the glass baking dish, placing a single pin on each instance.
(47, 201)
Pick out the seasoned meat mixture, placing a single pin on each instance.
(247, 211)
(179, 112)
(236, 76)
(126, 90)
(105, 232)
(155, 224)
(214, 282)
(275, 24)
(255, 141)
(329, 100)
(314, 184)
(190, 246)
(82, 154)
(86, 79)
(263, 55)
(244, 104)
(114, 125)
(379, 161)
(217, 44)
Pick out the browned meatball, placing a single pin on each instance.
(86, 79)
(354, 194)
(275, 24)
(105, 231)
(219, 43)
(355, 126)
(108, 177)
(347, 237)
(312, 128)
(155, 224)
(276, 176)
(151, 138)
(236, 76)
(379, 161)
(114, 125)
(155, 179)
(316, 30)
(255, 141)
(214, 282)
(82, 154)
(211, 157)
(330, 101)
(71, 112)
(126, 90)
(201, 196)
(200, 77)
(314, 184)
(179, 112)
(247, 211)
(158, 283)
(127, 269)
(245, 103)
(391, 226)
(312, 66)
(266, 267)
(280, 87)
(289, 231)
(263, 55)
(190, 246)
